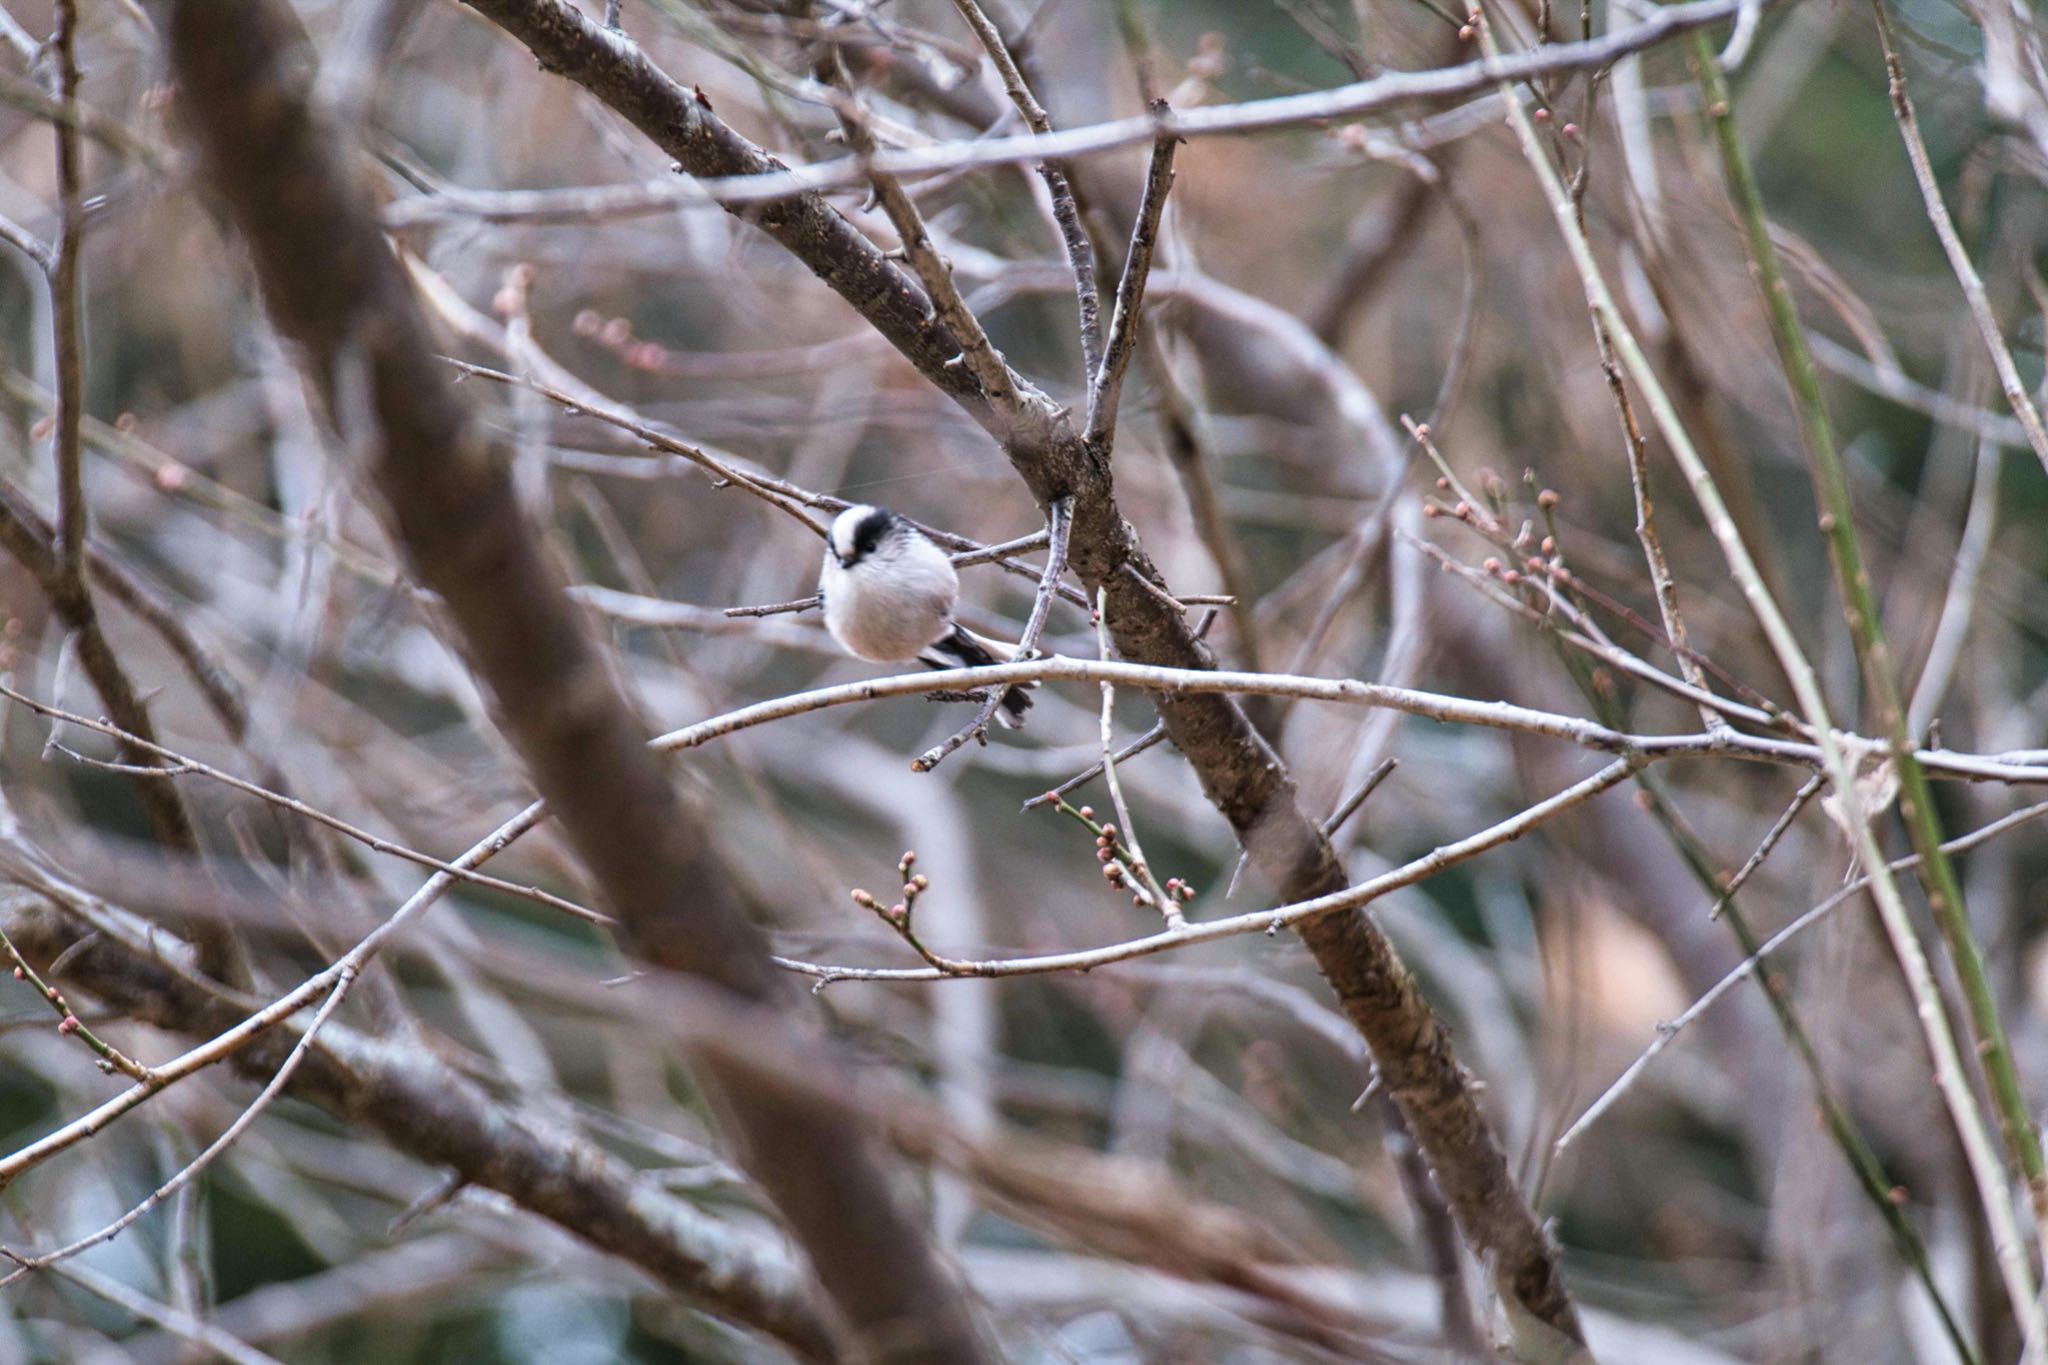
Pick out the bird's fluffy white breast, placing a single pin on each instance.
(892, 604)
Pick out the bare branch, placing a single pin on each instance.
(1381, 94)
(1066, 211)
(1106, 384)
(1296, 915)
(1059, 527)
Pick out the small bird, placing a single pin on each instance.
(889, 595)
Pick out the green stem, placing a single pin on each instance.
(1864, 1163)
(1838, 525)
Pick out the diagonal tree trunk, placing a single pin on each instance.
(333, 286)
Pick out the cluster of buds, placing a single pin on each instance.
(69, 1023)
(1120, 868)
(616, 335)
(898, 915)
(1463, 510)
(1524, 555)
(510, 300)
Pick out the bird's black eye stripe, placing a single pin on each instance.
(868, 533)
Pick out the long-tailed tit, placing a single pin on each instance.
(889, 595)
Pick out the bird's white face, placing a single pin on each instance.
(857, 531)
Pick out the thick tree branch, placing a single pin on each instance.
(333, 286)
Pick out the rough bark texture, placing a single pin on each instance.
(1240, 774)
(334, 287)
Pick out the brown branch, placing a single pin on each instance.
(333, 286)
(1238, 771)
(1107, 383)
(977, 353)
(1066, 210)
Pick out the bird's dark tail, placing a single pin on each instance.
(963, 649)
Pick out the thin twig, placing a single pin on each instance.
(1667, 1033)
(1269, 922)
(1066, 211)
(1127, 828)
(784, 497)
(1635, 448)
(1107, 382)
(182, 1325)
(1349, 806)
(1094, 770)
(1059, 527)
(1972, 283)
(346, 976)
(233, 1040)
(111, 1057)
(1059, 530)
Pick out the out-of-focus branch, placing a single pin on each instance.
(2009, 381)
(551, 22)
(176, 764)
(55, 555)
(34, 544)
(424, 1107)
(334, 287)
(1841, 765)
(1873, 649)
